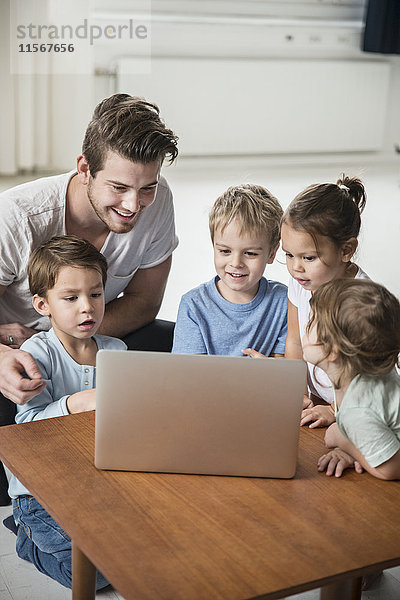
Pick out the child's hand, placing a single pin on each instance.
(318, 416)
(307, 402)
(82, 401)
(253, 353)
(336, 461)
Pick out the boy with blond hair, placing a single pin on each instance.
(67, 276)
(239, 308)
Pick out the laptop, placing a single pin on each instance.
(199, 414)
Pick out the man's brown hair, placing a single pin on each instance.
(47, 260)
(132, 128)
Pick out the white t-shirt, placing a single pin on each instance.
(34, 212)
(318, 381)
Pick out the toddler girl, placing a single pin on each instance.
(319, 237)
(354, 336)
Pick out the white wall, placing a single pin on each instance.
(189, 29)
(256, 30)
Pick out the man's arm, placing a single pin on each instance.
(13, 334)
(140, 302)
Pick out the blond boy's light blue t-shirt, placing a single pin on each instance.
(209, 324)
(369, 416)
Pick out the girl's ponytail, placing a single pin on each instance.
(329, 209)
(354, 187)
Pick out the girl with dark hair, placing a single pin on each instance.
(319, 237)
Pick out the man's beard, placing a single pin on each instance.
(103, 214)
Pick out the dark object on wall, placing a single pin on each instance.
(382, 27)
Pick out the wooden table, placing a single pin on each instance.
(191, 537)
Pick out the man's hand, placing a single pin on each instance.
(318, 416)
(15, 334)
(336, 461)
(14, 385)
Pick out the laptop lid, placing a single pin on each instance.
(202, 414)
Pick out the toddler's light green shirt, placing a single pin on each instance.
(369, 416)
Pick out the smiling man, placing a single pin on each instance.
(117, 200)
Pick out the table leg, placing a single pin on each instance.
(83, 576)
(349, 589)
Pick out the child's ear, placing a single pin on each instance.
(333, 355)
(40, 305)
(272, 256)
(348, 249)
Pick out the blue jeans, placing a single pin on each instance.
(41, 541)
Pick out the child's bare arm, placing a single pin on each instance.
(82, 401)
(388, 470)
(293, 348)
(333, 437)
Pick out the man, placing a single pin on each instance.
(115, 199)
